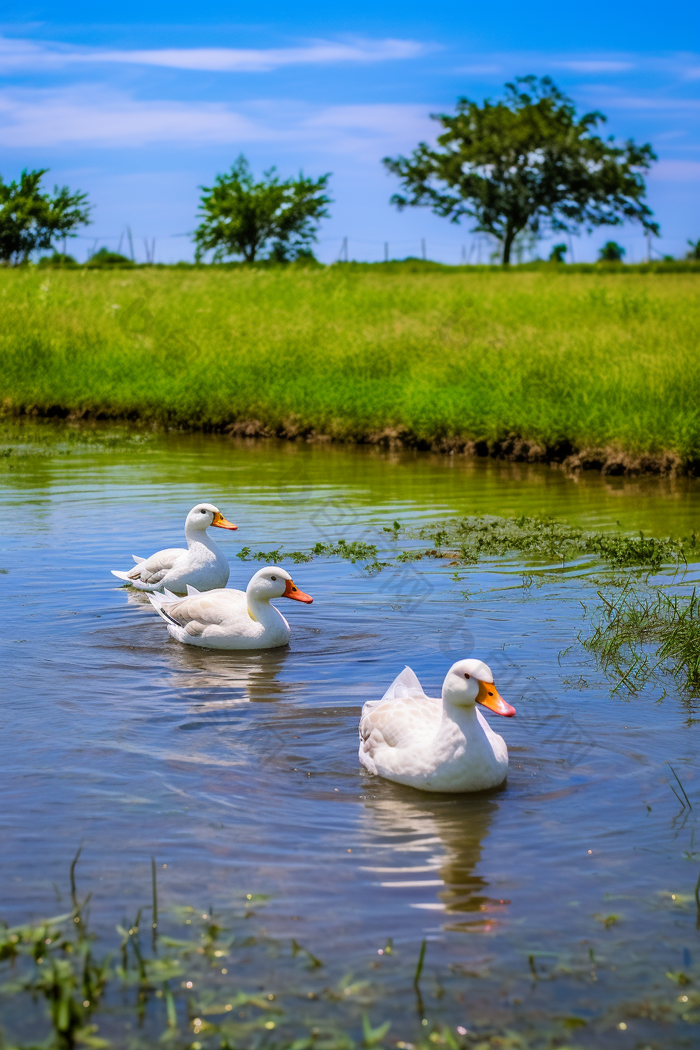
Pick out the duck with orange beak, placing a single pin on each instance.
(230, 619)
(437, 745)
(203, 565)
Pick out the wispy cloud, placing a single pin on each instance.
(17, 55)
(592, 65)
(676, 171)
(100, 118)
(644, 102)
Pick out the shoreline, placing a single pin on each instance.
(608, 460)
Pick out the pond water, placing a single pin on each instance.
(557, 905)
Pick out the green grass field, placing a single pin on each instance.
(592, 359)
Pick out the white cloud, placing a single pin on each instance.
(592, 65)
(380, 118)
(89, 116)
(92, 116)
(16, 55)
(659, 102)
(482, 69)
(676, 171)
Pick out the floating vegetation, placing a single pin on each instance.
(469, 539)
(353, 552)
(466, 541)
(640, 637)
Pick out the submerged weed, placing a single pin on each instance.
(639, 637)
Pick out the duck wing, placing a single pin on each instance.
(151, 571)
(405, 713)
(200, 610)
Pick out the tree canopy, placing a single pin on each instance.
(526, 163)
(611, 252)
(243, 217)
(31, 219)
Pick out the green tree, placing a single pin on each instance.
(31, 219)
(243, 217)
(523, 163)
(557, 253)
(107, 258)
(611, 252)
(694, 252)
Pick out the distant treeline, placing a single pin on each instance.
(409, 265)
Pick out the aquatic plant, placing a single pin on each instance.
(469, 539)
(643, 636)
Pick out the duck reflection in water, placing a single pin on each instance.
(217, 680)
(417, 841)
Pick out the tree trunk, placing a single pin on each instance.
(508, 244)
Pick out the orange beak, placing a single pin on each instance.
(490, 697)
(221, 523)
(293, 592)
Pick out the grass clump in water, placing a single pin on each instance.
(639, 637)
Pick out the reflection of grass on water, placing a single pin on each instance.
(45, 439)
(642, 636)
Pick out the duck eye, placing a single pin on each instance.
(274, 578)
(202, 511)
(467, 676)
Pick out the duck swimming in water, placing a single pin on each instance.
(437, 744)
(229, 619)
(203, 565)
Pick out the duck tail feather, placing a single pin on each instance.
(156, 601)
(405, 684)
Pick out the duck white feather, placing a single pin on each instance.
(437, 744)
(203, 564)
(229, 619)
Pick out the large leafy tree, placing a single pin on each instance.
(31, 219)
(527, 162)
(243, 217)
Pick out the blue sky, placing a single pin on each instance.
(143, 107)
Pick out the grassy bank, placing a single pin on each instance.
(445, 359)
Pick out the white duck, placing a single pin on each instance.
(229, 619)
(437, 745)
(203, 565)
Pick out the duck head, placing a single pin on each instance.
(273, 582)
(470, 682)
(204, 515)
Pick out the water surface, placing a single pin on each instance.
(567, 894)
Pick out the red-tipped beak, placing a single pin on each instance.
(220, 522)
(491, 698)
(293, 592)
